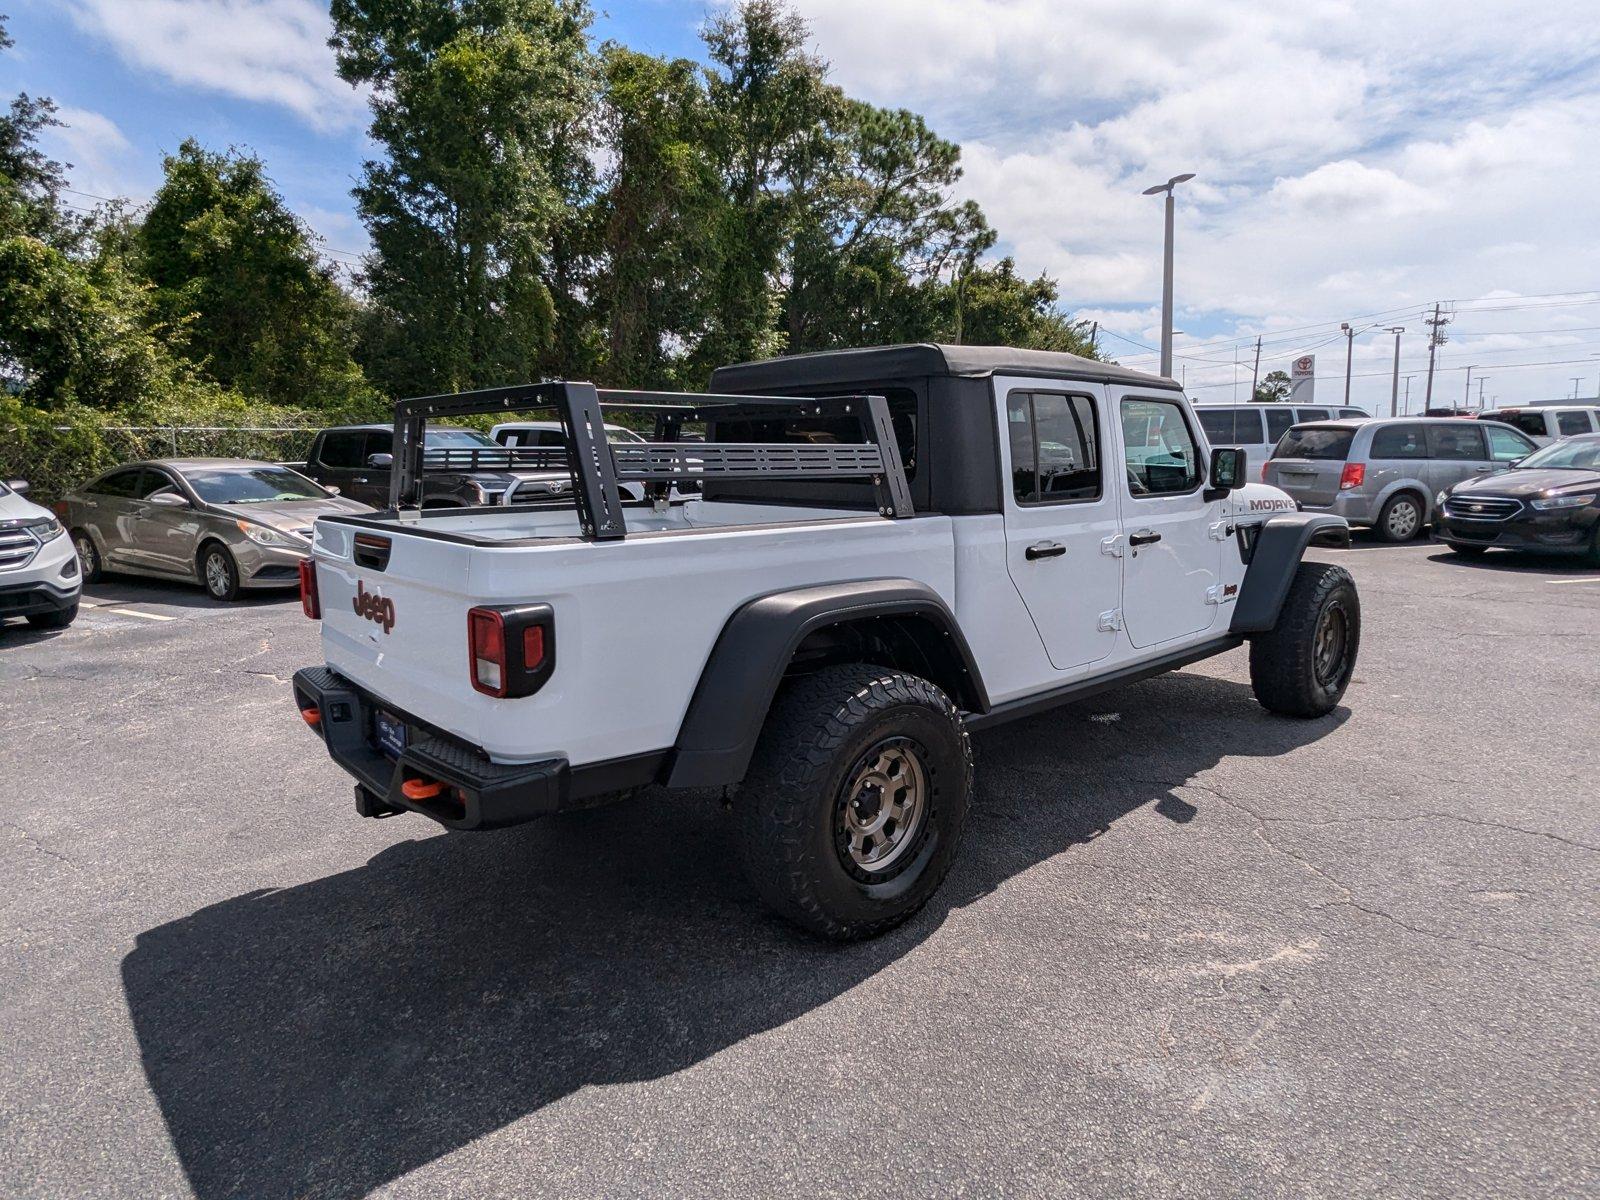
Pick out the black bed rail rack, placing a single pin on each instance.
(596, 466)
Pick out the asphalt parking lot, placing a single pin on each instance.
(1189, 949)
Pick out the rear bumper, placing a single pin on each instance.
(478, 794)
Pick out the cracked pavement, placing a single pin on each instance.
(1188, 949)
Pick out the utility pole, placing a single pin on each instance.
(1394, 390)
(1406, 407)
(1436, 338)
(1166, 270)
(1094, 339)
(1481, 378)
(1349, 352)
(1255, 371)
(1466, 398)
(1576, 380)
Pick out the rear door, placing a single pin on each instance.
(1309, 461)
(1172, 554)
(1061, 517)
(1457, 450)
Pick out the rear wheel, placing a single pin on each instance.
(1302, 666)
(88, 555)
(1401, 518)
(219, 572)
(854, 803)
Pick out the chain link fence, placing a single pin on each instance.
(56, 459)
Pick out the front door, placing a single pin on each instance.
(1061, 518)
(1456, 451)
(1172, 552)
(168, 534)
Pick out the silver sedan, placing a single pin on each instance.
(226, 523)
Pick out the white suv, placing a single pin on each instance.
(39, 577)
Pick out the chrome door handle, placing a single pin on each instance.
(359, 479)
(1044, 550)
(1482, 470)
(1145, 537)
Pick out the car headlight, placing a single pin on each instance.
(262, 536)
(1547, 503)
(45, 529)
(1439, 499)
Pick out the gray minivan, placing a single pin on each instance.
(1387, 473)
(1256, 428)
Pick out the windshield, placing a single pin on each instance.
(1578, 454)
(252, 485)
(458, 439)
(1310, 441)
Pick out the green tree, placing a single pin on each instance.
(481, 108)
(1273, 388)
(994, 306)
(239, 283)
(657, 217)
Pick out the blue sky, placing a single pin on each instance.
(1356, 160)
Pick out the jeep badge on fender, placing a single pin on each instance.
(373, 606)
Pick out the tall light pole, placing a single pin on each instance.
(1349, 352)
(1466, 399)
(1166, 270)
(1394, 391)
(1576, 380)
(1481, 379)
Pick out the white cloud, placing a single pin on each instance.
(103, 162)
(271, 51)
(1354, 156)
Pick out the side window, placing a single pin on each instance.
(1507, 446)
(1219, 424)
(118, 483)
(341, 449)
(1399, 441)
(1353, 412)
(1279, 420)
(1572, 422)
(1055, 447)
(1247, 424)
(1531, 423)
(376, 442)
(1459, 441)
(153, 482)
(1315, 414)
(1159, 448)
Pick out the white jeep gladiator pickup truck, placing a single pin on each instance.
(890, 547)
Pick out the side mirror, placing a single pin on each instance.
(380, 462)
(169, 499)
(330, 489)
(1227, 469)
(19, 486)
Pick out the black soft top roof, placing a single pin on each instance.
(829, 367)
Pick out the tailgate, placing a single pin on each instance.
(1308, 481)
(394, 615)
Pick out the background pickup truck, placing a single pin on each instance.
(462, 467)
(891, 547)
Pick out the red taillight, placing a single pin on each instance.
(1264, 467)
(533, 647)
(1355, 474)
(486, 647)
(310, 602)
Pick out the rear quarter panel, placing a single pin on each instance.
(635, 621)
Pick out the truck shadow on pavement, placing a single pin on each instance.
(326, 1038)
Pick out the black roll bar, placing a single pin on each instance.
(596, 465)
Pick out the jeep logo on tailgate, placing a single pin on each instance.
(373, 606)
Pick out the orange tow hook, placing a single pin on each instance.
(421, 789)
(313, 716)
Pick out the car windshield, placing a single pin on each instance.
(252, 485)
(458, 439)
(1579, 454)
(1311, 441)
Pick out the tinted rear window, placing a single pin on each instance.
(1312, 441)
(1528, 422)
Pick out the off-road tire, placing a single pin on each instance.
(1382, 526)
(89, 563)
(791, 802)
(227, 586)
(1283, 661)
(54, 620)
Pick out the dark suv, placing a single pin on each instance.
(461, 467)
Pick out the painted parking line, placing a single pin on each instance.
(134, 612)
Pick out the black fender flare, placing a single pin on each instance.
(754, 650)
(1276, 551)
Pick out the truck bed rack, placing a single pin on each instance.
(596, 465)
